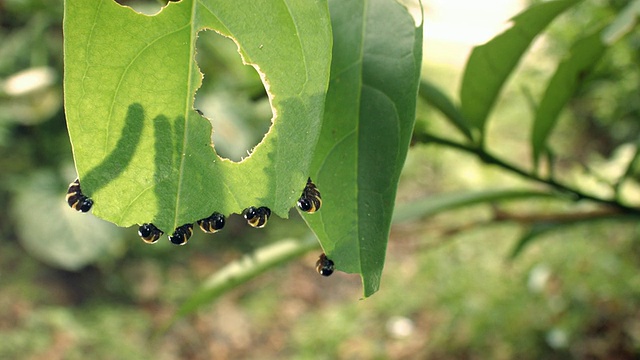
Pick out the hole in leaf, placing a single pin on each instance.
(232, 97)
(147, 7)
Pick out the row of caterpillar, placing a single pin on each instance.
(310, 201)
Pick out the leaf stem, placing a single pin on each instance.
(491, 159)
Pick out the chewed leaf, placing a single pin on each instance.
(367, 127)
(142, 152)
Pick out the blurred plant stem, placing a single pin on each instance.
(491, 159)
(242, 270)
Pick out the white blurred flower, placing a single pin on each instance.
(557, 338)
(538, 278)
(400, 327)
(29, 81)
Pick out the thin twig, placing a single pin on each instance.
(491, 159)
(443, 234)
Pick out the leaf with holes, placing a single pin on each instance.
(141, 150)
(367, 127)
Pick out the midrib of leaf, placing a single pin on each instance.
(188, 103)
(299, 94)
(271, 104)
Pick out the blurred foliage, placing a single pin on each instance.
(608, 101)
(449, 290)
(33, 136)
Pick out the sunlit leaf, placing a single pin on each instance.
(141, 150)
(563, 84)
(490, 65)
(367, 127)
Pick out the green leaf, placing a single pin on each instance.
(535, 231)
(54, 233)
(543, 227)
(444, 202)
(142, 152)
(490, 65)
(623, 24)
(434, 96)
(245, 269)
(369, 117)
(563, 84)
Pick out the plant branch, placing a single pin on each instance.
(445, 234)
(491, 159)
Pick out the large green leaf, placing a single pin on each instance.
(563, 84)
(141, 150)
(367, 127)
(490, 65)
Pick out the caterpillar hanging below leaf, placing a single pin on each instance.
(324, 265)
(257, 217)
(310, 200)
(213, 223)
(76, 199)
(149, 233)
(182, 234)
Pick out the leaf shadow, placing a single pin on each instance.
(117, 161)
(167, 149)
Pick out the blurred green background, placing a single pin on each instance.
(73, 286)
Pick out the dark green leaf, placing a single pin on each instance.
(369, 117)
(434, 96)
(531, 234)
(565, 81)
(141, 150)
(543, 227)
(490, 65)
